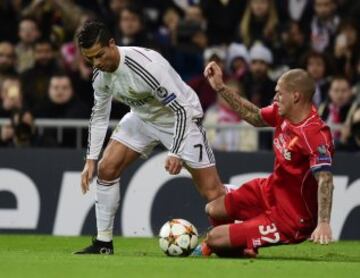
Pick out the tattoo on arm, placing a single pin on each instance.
(325, 192)
(245, 109)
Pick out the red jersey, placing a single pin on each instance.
(300, 150)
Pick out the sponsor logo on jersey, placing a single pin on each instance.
(135, 102)
(280, 144)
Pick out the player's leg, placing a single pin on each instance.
(243, 239)
(128, 142)
(116, 158)
(241, 204)
(216, 210)
(207, 182)
(200, 162)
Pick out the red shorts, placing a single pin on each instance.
(262, 224)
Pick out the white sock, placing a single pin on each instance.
(230, 187)
(107, 202)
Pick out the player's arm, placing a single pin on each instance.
(98, 126)
(245, 109)
(322, 233)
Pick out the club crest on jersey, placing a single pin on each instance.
(161, 92)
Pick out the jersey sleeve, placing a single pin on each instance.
(270, 115)
(165, 85)
(321, 149)
(99, 120)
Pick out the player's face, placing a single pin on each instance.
(104, 58)
(284, 98)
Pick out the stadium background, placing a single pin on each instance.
(42, 76)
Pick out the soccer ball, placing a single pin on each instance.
(178, 237)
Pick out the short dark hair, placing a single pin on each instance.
(340, 77)
(93, 32)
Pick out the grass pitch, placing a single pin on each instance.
(48, 256)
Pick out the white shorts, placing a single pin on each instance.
(142, 137)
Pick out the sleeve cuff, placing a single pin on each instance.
(174, 155)
(321, 167)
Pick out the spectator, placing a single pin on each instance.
(187, 53)
(6, 135)
(219, 30)
(7, 60)
(318, 67)
(353, 141)
(200, 84)
(298, 11)
(324, 25)
(293, 45)
(238, 60)
(339, 108)
(131, 28)
(259, 88)
(111, 11)
(57, 19)
(11, 96)
(36, 79)
(28, 33)
(346, 48)
(166, 34)
(24, 134)
(259, 23)
(9, 19)
(61, 101)
(228, 139)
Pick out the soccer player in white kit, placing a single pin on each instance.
(163, 110)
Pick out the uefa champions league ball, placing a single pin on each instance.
(178, 238)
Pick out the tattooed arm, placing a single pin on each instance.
(322, 233)
(246, 110)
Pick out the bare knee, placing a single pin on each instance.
(217, 238)
(108, 171)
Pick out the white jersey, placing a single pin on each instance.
(146, 82)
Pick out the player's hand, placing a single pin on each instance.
(214, 75)
(173, 165)
(87, 175)
(322, 234)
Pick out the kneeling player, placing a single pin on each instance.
(294, 202)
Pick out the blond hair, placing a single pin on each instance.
(272, 21)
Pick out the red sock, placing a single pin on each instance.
(205, 249)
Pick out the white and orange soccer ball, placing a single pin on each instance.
(178, 237)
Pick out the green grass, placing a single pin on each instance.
(48, 256)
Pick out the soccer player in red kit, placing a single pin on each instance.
(294, 202)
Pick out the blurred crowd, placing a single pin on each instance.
(42, 74)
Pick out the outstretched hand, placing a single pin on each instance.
(322, 234)
(214, 75)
